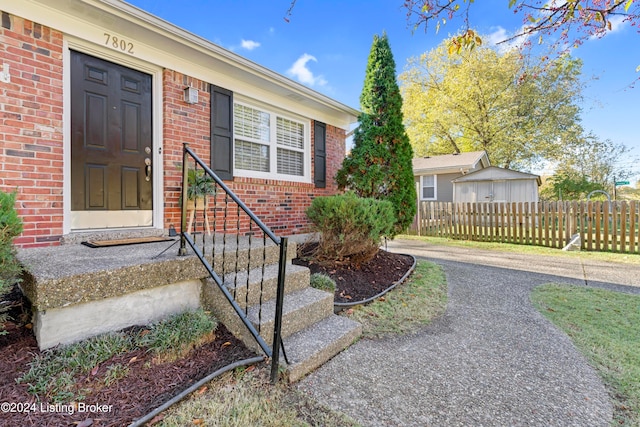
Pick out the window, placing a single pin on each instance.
(428, 185)
(268, 145)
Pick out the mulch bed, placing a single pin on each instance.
(359, 284)
(144, 389)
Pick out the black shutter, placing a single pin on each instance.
(320, 154)
(222, 132)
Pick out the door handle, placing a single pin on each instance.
(147, 169)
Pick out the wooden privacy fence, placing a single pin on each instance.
(602, 226)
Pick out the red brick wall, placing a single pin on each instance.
(31, 142)
(31, 127)
(182, 123)
(279, 204)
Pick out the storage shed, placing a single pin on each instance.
(494, 184)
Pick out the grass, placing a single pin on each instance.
(408, 307)
(246, 398)
(619, 258)
(54, 373)
(604, 327)
(173, 338)
(323, 282)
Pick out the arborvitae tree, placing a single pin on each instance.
(379, 165)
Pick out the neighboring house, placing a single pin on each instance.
(494, 184)
(434, 175)
(94, 91)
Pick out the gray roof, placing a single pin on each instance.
(448, 163)
(494, 173)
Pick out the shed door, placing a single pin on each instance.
(111, 145)
(492, 191)
(485, 191)
(500, 191)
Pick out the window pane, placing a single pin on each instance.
(290, 162)
(428, 187)
(250, 123)
(251, 156)
(290, 133)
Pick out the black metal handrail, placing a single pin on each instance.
(186, 238)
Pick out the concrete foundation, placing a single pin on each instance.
(80, 321)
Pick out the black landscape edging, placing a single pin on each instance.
(144, 419)
(338, 306)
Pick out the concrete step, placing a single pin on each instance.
(300, 310)
(310, 348)
(311, 333)
(263, 287)
(232, 255)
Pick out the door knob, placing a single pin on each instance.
(147, 169)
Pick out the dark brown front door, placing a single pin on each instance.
(111, 145)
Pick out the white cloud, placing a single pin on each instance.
(499, 35)
(249, 44)
(617, 24)
(300, 71)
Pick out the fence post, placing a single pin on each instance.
(623, 226)
(632, 226)
(606, 219)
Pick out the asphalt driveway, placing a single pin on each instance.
(491, 360)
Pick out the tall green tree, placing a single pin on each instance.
(505, 103)
(380, 163)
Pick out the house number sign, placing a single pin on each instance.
(116, 42)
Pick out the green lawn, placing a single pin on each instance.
(605, 326)
(408, 307)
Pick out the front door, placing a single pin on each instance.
(111, 145)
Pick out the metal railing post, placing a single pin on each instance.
(277, 328)
(183, 212)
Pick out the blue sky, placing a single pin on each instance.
(326, 43)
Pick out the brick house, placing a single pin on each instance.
(97, 98)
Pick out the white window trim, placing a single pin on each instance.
(435, 187)
(273, 146)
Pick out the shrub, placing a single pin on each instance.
(351, 227)
(323, 282)
(10, 227)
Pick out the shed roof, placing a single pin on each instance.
(494, 173)
(448, 163)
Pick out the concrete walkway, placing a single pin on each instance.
(491, 360)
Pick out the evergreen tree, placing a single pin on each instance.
(379, 165)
